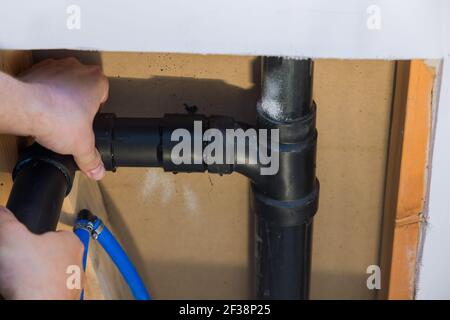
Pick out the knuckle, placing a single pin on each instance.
(95, 70)
(86, 150)
(71, 60)
(46, 61)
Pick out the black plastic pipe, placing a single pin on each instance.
(285, 209)
(146, 142)
(42, 179)
(128, 142)
(287, 87)
(284, 203)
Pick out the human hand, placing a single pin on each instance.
(34, 267)
(66, 96)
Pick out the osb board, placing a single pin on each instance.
(191, 235)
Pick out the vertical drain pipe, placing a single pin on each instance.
(285, 204)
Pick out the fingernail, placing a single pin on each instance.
(97, 173)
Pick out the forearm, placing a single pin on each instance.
(18, 106)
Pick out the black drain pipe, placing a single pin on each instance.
(284, 202)
(42, 179)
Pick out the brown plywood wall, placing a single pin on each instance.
(191, 235)
(354, 104)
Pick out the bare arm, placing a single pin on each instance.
(55, 101)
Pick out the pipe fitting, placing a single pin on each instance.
(42, 179)
(35, 154)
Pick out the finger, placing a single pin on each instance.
(44, 63)
(101, 83)
(37, 66)
(91, 163)
(71, 59)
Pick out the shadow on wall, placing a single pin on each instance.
(156, 96)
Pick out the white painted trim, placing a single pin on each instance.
(434, 264)
(297, 28)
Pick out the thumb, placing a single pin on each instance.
(90, 162)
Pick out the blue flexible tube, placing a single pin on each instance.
(84, 236)
(126, 268)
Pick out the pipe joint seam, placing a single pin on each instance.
(35, 154)
(286, 213)
(292, 131)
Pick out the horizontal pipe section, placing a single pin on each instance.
(128, 142)
(148, 142)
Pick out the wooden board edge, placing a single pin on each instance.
(406, 178)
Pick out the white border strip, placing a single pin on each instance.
(433, 279)
(349, 29)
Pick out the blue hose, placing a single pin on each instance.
(126, 268)
(84, 235)
(101, 233)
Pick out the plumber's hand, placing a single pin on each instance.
(35, 266)
(67, 95)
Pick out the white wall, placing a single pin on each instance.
(434, 280)
(398, 29)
